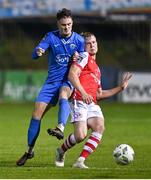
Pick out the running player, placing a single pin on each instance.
(61, 45)
(85, 76)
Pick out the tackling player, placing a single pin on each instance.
(61, 45)
(85, 76)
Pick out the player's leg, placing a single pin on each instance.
(97, 126)
(34, 127)
(79, 115)
(64, 110)
(64, 107)
(96, 123)
(60, 152)
(33, 131)
(48, 95)
(80, 132)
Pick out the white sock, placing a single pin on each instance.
(61, 127)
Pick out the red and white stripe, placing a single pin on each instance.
(91, 144)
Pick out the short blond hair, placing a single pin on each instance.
(87, 34)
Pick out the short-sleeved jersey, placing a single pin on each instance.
(90, 76)
(60, 51)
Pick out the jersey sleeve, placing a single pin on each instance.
(44, 44)
(80, 44)
(82, 60)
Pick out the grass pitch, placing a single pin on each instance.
(125, 123)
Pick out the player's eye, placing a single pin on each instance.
(88, 44)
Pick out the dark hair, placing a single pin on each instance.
(87, 34)
(63, 13)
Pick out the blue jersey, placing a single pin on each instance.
(60, 53)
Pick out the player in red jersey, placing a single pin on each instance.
(85, 76)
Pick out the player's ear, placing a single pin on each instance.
(71, 22)
(58, 23)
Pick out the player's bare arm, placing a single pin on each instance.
(110, 92)
(74, 78)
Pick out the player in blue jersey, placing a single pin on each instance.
(61, 45)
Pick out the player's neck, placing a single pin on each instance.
(93, 56)
(65, 36)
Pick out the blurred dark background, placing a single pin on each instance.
(125, 45)
(122, 28)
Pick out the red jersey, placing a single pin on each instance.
(90, 76)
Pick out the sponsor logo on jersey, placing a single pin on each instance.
(62, 59)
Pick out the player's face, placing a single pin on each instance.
(91, 45)
(65, 26)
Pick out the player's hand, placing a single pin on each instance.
(40, 51)
(125, 80)
(87, 98)
(75, 56)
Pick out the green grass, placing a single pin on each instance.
(125, 123)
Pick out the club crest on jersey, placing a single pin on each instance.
(72, 46)
(62, 59)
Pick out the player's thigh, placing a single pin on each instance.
(95, 118)
(47, 109)
(66, 90)
(80, 130)
(39, 109)
(96, 124)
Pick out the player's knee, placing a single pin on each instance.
(37, 114)
(65, 93)
(80, 137)
(100, 128)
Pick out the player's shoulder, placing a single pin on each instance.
(84, 55)
(78, 36)
(83, 58)
(52, 33)
(47, 36)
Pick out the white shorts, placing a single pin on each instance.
(81, 111)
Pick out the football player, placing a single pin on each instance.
(61, 45)
(85, 76)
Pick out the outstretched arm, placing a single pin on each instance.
(42, 47)
(37, 52)
(110, 92)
